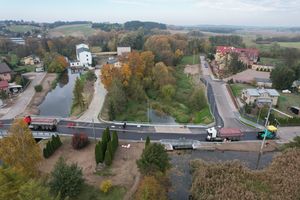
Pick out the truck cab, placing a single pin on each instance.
(212, 134)
(270, 132)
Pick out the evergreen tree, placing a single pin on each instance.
(99, 153)
(108, 159)
(110, 149)
(45, 153)
(147, 141)
(115, 141)
(58, 140)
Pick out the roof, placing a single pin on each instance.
(3, 84)
(296, 83)
(264, 80)
(82, 49)
(272, 128)
(258, 92)
(229, 49)
(252, 92)
(4, 68)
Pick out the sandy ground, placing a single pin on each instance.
(32, 108)
(248, 76)
(123, 170)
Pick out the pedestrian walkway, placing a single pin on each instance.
(168, 129)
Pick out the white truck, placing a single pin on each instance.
(232, 134)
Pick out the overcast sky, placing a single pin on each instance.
(177, 12)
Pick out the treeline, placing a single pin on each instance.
(224, 40)
(62, 23)
(135, 25)
(277, 39)
(108, 26)
(219, 29)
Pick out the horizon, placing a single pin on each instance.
(265, 13)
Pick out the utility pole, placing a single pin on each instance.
(264, 139)
(94, 129)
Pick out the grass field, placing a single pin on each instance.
(190, 60)
(290, 44)
(288, 100)
(237, 88)
(78, 30)
(21, 28)
(271, 61)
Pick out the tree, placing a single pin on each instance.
(282, 77)
(150, 189)
(115, 140)
(162, 75)
(80, 140)
(197, 99)
(108, 158)
(168, 92)
(15, 186)
(77, 93)
(117, 97)
(99, 155)
(178, 56)
(126, 74)
(110, 149)
(20, 150)
(147, 141)
(154, 158)
(66, 179)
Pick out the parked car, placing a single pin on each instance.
(286, 91)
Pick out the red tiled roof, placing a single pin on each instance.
(228, 49)
(3, 84)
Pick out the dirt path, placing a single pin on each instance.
(32, 108)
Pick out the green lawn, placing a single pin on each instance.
(288, 100)
(237, 88)
(21, 28)
(203, 117)
(290, 44)
(190, 60)
(271, 61)
(91, 193)
(74, 30)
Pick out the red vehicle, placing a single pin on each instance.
(233, 134)
(41, 123)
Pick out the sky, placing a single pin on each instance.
(176, 12)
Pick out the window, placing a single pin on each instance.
(87, 59)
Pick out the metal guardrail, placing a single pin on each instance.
(35, 134)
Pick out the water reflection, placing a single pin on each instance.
(58, 101)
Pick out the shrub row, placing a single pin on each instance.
(51, 146)
(80, 140)
(106, 148)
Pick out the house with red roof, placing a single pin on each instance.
(248, 56)
(4, 85)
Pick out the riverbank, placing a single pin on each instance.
(88, 82)
(32, 108)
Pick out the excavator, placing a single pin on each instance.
(270, 131)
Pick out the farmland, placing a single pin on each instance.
(78, 30)
(21, 28)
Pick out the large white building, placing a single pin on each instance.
(84, 56)
(123, 50)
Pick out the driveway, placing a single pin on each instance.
(25, 97)
(96, 104)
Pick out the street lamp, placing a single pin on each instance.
(94, 129)
(264, 139)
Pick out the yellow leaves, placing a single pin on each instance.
(126, 74)
(108, 72)
(19, 149)
(105, 186)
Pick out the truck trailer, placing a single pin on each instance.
(232, 134)
(41, 123)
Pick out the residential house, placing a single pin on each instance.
(296, 85)
(266, 68)
(121, 51)
(83, 55)
(261, 95)
(263, 82)
(30, 60)
(4, 85)
(5, 72)
(114, 61)
(248, 56)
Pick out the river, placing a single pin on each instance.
(59, 100)
(181, 178)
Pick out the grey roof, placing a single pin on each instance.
(4, 68)
(263, 80)
(252, 92)
(273, 92)
(82, 49)
(296, 83)
(258, 92)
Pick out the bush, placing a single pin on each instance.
(3, 95)
(38, 88)
(90, 76)
(154, 158)
(80, 140)
(66, 179)
(150, 188)
(105, 186)
(147, 141)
